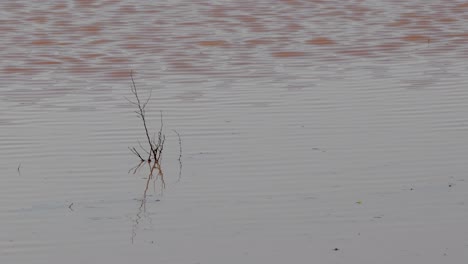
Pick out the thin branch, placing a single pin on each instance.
(149, 157)
(130, 101)
(143, 148)
(141, 111)
(149, 97)
(135, 152)
(161, 146)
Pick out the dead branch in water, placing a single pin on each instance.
(154, 152)
(155, 147)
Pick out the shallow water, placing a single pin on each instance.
(306, 126)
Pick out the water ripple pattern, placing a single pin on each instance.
(326, 131)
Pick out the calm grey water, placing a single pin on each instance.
(312, 131)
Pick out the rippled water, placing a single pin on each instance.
(312, 131)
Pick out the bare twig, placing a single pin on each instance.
(158, 147)
(149, 154)
(139, 143)
(135, 152)
(141, 111)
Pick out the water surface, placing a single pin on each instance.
(312, 131)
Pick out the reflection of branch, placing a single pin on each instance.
(155, 165)
(135, 169)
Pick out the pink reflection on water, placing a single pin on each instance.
(84, 36)
(288, 54)
(213, 43)
(321, 41)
